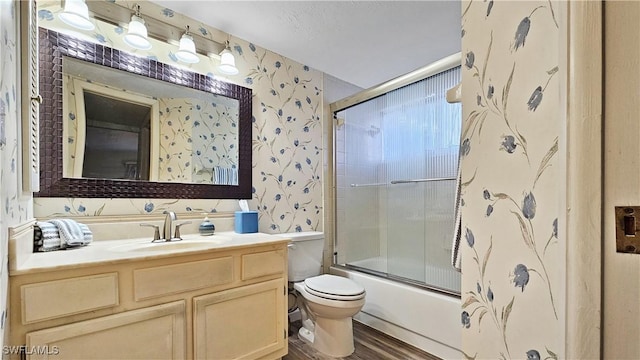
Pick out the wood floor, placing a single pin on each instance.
(370, 344)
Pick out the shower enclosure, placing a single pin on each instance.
(395, 165)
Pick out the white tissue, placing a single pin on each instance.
(244, 206)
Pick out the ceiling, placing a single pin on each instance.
(364, 43)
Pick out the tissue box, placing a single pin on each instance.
(246, 222)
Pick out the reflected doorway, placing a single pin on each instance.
(117, 138)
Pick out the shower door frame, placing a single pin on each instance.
(422, 73)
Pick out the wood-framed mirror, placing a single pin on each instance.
(56, 180)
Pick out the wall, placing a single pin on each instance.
(512, 261)
(287, 133)
(16, 207)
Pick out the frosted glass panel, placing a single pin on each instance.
(396, 160)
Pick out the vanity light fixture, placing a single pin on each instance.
(187, 49)
(76, 14)
(136, 36)
(227, 62)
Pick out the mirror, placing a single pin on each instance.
(104, 134)
(114, 122)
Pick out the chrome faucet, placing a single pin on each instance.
(168, 225)
(167, 228)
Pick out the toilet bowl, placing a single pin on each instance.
(326, 302)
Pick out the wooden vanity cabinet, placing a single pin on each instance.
(214, 304)
(240, 323)
(156, 332)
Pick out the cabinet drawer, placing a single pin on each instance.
(173, 279)
(263, 264)
(54, 299)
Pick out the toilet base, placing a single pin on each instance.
(333, 337)
(306, 336)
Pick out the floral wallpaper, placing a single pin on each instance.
(512, 263)
(16, 205)
(287, 131)
(197, 135)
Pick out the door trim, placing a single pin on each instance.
(582, 204)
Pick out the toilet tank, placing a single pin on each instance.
(305, 254)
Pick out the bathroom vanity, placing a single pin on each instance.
(219, 297)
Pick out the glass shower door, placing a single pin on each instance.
(396, 163)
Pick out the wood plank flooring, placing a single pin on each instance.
(370, 344)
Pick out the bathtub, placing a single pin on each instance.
(425, 319)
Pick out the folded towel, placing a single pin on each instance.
(219, 175)
(70, 232)
(224, 176)
(233, 176)
(87, 234)
(46, 237)
(60, 234)
(37, 237)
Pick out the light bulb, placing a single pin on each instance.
(76, 14)
(136, 36)
(187, 49)
(227, 62)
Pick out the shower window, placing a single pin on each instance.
(396, 160)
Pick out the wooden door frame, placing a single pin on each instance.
(581, 147)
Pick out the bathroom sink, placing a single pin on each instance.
(168, 246)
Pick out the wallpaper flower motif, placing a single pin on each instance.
(511, 262)
(287, 133)
(196, 136)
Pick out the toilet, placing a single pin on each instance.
(326, 302)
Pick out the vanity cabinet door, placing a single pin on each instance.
(242, 323)
(157, 332)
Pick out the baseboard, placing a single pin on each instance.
(410, 337)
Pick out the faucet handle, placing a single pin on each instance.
(156, 233)
(177, 236)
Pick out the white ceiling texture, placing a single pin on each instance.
(364, 43)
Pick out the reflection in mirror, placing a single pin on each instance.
(103, 134)
(199, 142)
(116, 147)
(109, 133)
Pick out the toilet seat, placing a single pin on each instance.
(334, 288)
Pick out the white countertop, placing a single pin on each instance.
(113, 251)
